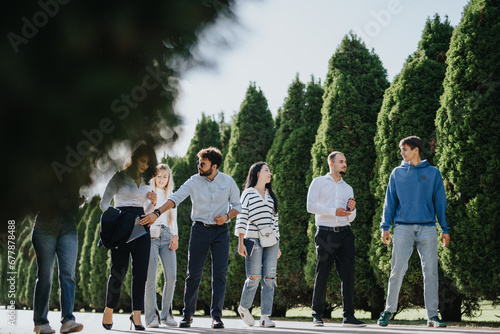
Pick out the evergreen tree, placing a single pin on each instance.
(88, 243)
(252, 134)
(355, 86)
(24, 253)
(409, 108)
(81, 220)
(289, 159)
(468, 138)
(225, 133)
(287, 120)
(100, 265)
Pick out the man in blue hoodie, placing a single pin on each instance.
(415, 196)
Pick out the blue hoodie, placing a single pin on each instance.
(415, 195)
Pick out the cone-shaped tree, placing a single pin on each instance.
(354, 90)
(85, 255)
(289, 159)
(100, 264)
(468, 138)
(409, 108)
(252, 134)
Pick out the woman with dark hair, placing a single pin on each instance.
(259, 211)
(130, 190)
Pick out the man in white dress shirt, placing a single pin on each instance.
(331, 200)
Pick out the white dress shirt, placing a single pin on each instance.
(126, 193)
(325, 195)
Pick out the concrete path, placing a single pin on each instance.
(92, 323)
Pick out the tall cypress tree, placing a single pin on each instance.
(468, 138)
(100, 264)
(355, 86)
(88, 243)
(252, 135)
(289, 159)
(409, 108)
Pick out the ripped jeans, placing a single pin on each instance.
(263, 264)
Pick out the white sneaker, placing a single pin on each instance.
(170, 321)
(246, 316)
(43, 329)
(266, 322)
(71, 326)
(154, 323)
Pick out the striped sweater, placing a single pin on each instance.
(255, 211)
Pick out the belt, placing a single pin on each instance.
(209, 225)
(334, 228)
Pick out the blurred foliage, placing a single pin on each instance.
(78, 77)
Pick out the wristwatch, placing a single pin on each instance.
(157, 212)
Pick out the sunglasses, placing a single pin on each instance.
(202, 164)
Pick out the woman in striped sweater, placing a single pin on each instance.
(259, 210)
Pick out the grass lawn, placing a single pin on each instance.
(488, 317)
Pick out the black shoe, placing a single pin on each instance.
(351, 321)
(217, 323)
(186, 322)
(107, 326)
(137, 327)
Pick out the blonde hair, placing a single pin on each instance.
(169, 189)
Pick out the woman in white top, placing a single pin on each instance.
(259, 210)
(164, 242)
(130, 190)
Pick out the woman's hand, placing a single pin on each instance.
(242, 250)
(279, 253)
(151, 195)
(174, 243)
(148, 219)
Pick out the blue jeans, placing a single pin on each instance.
(160, 248)
(425, 237)
(202, 238)
(262, 263)
(49, 242)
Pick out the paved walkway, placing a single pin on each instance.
(92, 323)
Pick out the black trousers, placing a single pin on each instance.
(334, 247)
(139, 249)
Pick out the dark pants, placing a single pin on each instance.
(120, 257)
(202, 238)
(333, 247)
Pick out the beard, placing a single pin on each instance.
(342, 172)
(206, 173)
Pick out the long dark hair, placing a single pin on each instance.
(252, 179)
(131, 166)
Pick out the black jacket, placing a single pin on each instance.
(116, 227)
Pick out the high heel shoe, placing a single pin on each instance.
(107, 326)
(137, 327)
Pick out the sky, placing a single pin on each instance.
(273, 40)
